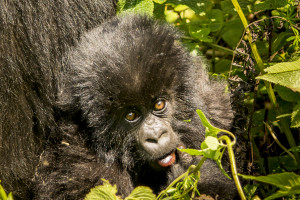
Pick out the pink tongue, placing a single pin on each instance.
(168, 160)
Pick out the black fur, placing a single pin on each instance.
(34, 35)
(127, 62)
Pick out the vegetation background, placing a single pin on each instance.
(254, 44)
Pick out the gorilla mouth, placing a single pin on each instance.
(167, 160)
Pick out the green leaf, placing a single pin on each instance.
(210, 129)
(10, 196)
(250, 190)
(198, 6)
(227, 6)
(3, 195)
(141, 193)
(136, 6)
(201, 34)
(103, 192)
(287, 94)
(232, 32)
(216, 19)
(160, 1)
(270, 5)
(211, 148)
(192, 152)
(295, 123)
(288, 182)
(212, 142)
(171, 16)
(282, 193)
(280, 41)
(286, 74)
(295, 149)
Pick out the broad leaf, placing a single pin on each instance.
(288, 182)
(211, 148)
(103, 192)
(141, 193)
(136, 6)
(211, 143)
(286, 74)
(198, 6)
(216, 20)
(201, 34)
(287, 94)
(284, 180)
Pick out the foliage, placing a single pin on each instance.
(3, 195)
(255, 45)
(288, 182)
(109, 192)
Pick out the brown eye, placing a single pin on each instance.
(131, 116)
(159, 105)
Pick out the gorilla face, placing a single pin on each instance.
(134, 84)
(127, 88)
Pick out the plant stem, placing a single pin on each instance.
(278, 142)
(284, 123)
(192, 169)
(199, 165)
(233, 166)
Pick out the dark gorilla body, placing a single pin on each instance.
(125, 90)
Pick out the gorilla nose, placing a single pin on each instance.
(157, 140)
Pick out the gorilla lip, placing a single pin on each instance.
(167, 160)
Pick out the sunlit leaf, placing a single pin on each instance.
(103, 192)
(198, 6)
(136, 6)
(286, 74)
(193, 152)
(141, 193)
(160, 1)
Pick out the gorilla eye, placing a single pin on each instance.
(131, 116)
(159, 105)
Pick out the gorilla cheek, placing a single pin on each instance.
(158, 140)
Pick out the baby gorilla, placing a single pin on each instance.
(132, 84)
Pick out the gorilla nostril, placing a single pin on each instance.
(156, 137)
(151, 140)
